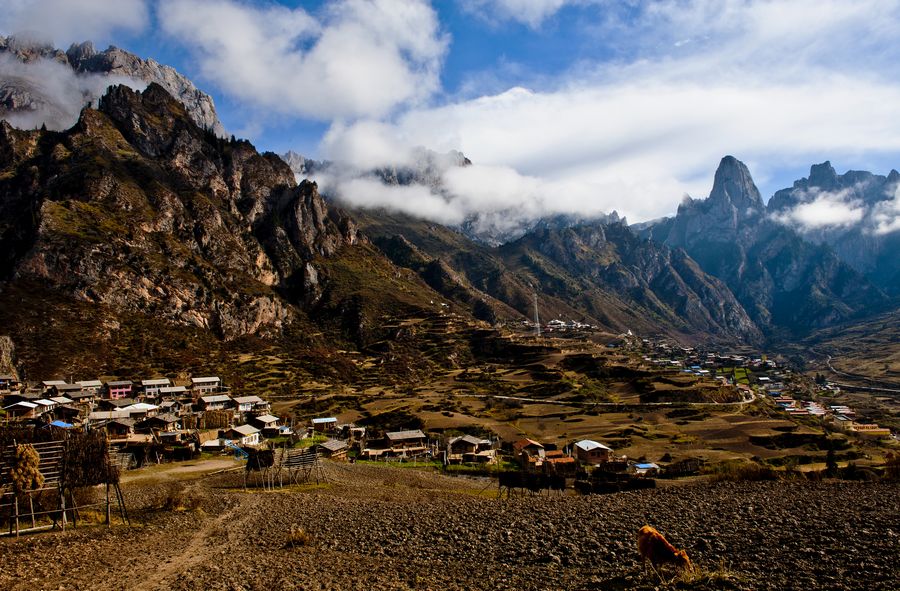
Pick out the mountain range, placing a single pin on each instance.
(866, 235)
(778, 280)
(784, 281)
(142, 222)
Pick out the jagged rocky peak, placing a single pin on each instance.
(151, 120)
(857, 185)
(90, 67)
(28, 48)
(562, 221)
(823, 176)
(425, 167)
(80, 52)
(734, 185)
(296, 161)
(303, 167)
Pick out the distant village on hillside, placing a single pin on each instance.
(759, 375)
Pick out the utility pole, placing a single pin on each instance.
(537, 318)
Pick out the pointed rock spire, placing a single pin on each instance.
(734, 185)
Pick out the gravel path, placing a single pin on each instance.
(390, 528)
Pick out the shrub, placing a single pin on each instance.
(741, 471)
(298, 537)
(702, 578)
(176, 498)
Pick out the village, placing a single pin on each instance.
(159, 419)
(154, 430)
(795, 394)
(156, 419)
(153, 420)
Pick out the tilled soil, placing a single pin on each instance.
(390, 528)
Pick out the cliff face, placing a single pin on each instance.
(139, 210)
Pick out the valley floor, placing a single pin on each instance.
(372, 527)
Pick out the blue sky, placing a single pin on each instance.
(572, 106)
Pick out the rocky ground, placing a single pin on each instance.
(371, 527)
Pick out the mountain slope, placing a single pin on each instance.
(460, 270)
(599, 273)
(137, 226)
(628, 281)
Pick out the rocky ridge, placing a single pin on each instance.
(24, 94)
(595, 272)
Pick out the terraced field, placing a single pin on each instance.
(561, 390)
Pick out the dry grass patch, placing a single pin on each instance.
(721, 577)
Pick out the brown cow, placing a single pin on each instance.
(654, 547)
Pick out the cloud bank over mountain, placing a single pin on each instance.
(768, 81)
(842, 210)
(823, 209)
(61, 92)
(886, 214)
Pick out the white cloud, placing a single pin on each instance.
(528, 12)
(769, 82)
(371, 193)
(886, 214)
(360, 58)
(69, 21)
(366, 145)
(635, 147)
(58, 93)
(823, 209)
